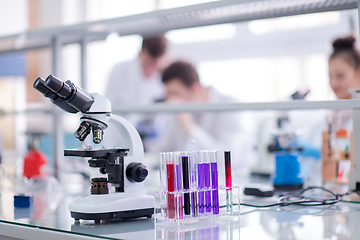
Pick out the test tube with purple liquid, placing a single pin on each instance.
(207, 180)
(214, 181)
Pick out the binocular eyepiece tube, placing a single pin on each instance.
(72, 99)
(65, 95)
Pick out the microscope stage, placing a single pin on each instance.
(97, 217)
(95, 153)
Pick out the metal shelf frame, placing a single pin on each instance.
(219, 12)
(161, 21)
(233, 107)
(218, 107)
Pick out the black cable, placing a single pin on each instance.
(301, 200)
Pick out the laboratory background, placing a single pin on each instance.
(169, 119)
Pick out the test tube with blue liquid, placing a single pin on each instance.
(214, 181)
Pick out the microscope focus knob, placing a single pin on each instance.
(136, 172)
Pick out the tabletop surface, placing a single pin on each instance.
(50, 211)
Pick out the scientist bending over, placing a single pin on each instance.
(210, 130)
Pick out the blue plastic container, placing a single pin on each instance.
(22, 201)
(287, 170)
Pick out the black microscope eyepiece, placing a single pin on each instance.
(54, 83)
(39, 85)
(63, 89)
(65, 95)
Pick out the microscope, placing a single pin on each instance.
(123, 166)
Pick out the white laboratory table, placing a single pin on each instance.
(45, 221)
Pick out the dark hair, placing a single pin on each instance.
(155, 46)
(184, 71)
(345, 48)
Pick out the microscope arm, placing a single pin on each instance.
(130, 138)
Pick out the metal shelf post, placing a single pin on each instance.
(58, 131)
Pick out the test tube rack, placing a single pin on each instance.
(174, 214)
(190, 190)
(215, 229)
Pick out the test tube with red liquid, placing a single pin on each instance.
(229, 202)
(170, 173)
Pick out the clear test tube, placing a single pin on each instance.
(163, 185)
(214, 180)
(193, 180)
(170, 176)
(207, 176)
(201, 182)
(178, 187)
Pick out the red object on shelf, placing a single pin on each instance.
(33, 162)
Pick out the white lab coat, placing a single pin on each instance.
(341, 119)
(213, 130)
(128, 85)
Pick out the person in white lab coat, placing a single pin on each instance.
(344, 72)
(210, 130)
(139, 81)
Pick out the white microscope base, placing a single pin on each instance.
(112, 206)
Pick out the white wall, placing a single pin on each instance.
(13, 19)
(13, 16)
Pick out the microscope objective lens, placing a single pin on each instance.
(97, 134)
(83, 131)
